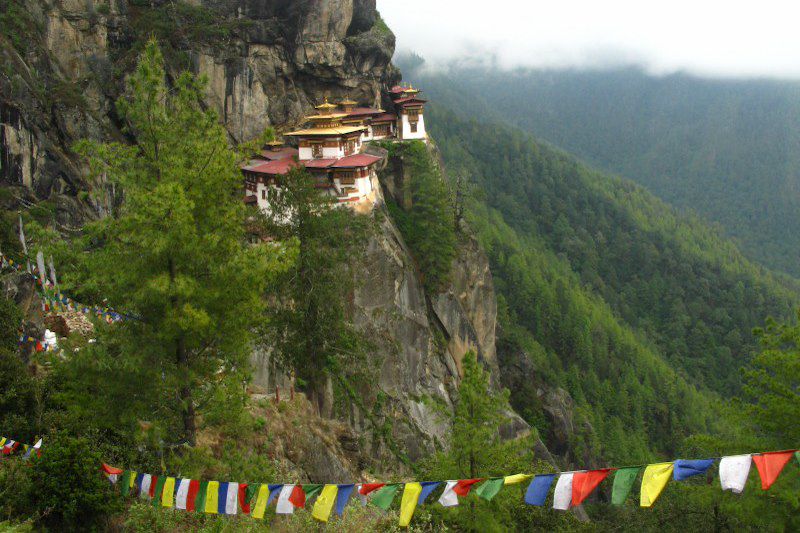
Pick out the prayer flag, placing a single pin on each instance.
(202, 494)
(168, 493)
(733, 472)
(685, 468)
(37, 447)
(311, 490)
(195, 487)
(623, 482)
(274, 492)
(111, 473)
(408, 503)
(769, 466)
(126, 483)
(584, 483)
(212, 498)
(157, 490)
(538, 489)
(427, 488)
(489, 488)
(182, 494)
(261, 502)
(246, 494)
(385, 496)
(343, 497)
(562, 497)
(325, 502)
(228, 502)
(654, 480)
(144, 487)
(797, 456)
(449, 498)
(463, 486)
(285, 504)
(516, 478)
(298, 496)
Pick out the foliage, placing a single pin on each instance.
(428, 222)
(174, 256)
(312, 330)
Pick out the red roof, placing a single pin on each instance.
(317, 163)
(274, 155)
(385, 117)
(356, 160)
(409, 100)
(362, 111)
(273, 168)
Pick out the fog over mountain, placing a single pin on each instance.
(712, 38)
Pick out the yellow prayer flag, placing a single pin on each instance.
(325, 502)
(261, 502)
(168, 494)
(132, 481)
(2, 441)
(653, 482)
(516, 478)
(212, 497)
(408, 504)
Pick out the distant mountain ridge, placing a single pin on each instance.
(727, 149)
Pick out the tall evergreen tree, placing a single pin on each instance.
(174, 255)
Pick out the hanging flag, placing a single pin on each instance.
(584, 483)
(489, 488)
(385, 496)
(182, 494)
(463, 486)
(769, 466)
(53, 273)
(427, 488)
(797, 456)
(538, 489)
(158, 490)
(733, 472)
(212, 498)
(274, 492)
(126, 483)
(285, 503)
(408, 502)
(168, 493)
(10, 446)
(516, 478)
(311, 490)
(261, 502)
(40, 266)
(343, 497)
(246, 494)
(623, 482)
(137, 484)
(325, 502)
(562, 496)
(202, 496)
(192, 497)
(111, 473)
(231, 506)
(449, 498)
(687, 468)
(144, 487)
(654, 480)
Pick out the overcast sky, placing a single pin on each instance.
(706, 37)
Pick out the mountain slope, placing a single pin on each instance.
(616, 297)
(723, 148)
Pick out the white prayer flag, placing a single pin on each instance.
(449, 498)
(284, 505)
(182, 494)
(733, 472)
(232, 500)
(562, 497)
(144, 490)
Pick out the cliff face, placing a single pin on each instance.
(267, 63)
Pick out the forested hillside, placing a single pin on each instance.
(723, 148)
(616, 297)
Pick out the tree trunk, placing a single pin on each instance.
(187, 402)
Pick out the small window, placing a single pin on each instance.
(413, 127)
(263, 194)
(316, 151)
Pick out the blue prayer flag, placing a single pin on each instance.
(274, 490)
(342, 496)
(427, 488)
(684, 468)
(138, 483)
(223, 497)
(538, 489)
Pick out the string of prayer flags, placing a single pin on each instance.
(733, 472)
(624, 479)
(408, 503)
(687, 468)
(538, 489)
(562, 497)
(770, 464)
(654, 480)
(584, 483)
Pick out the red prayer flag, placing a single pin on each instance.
(463, 487)
(366, 488)
(770, 465)
(191, 495)
(153, 483)
(243, 503)
(110, 470)
(583, 483)
(298, 497)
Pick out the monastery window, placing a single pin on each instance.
(263, 194)
(413, 114)
(349, 147)
(316, 151)
(413, 126)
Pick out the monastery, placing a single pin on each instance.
(330, 147)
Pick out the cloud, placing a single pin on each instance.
(706, 37)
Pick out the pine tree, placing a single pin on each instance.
(174, 255)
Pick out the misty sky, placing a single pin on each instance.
(707, 37)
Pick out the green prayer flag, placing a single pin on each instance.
(385, 496)
(125, 487)
(490, 488)
(312, 490)
(159, 489)
(797, 456)
(251, 492)
(623, 482)
(200, 499)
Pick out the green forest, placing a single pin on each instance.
(722, 148)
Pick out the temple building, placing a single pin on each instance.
(330, 148)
